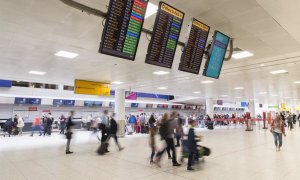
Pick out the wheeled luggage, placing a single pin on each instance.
(210, 125)
(129, 130)
(103, 148)
(15, 131)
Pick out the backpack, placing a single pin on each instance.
(163, 130)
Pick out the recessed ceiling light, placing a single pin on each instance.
(37, 72)
(263, 93)
(282, 71)
(117, 82)
(161, 72)
(297, 82)
(243, 54)
(151, 9)
(196, 92)
(262, 65)
(274, 95)
(207, 82)
(162, 88)
(239, 88)
(66, 54)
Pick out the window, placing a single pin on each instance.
(68, 88)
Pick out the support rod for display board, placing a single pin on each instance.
(99, 13)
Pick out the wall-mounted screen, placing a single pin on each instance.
(164, 39)
(19, 100)
(192, 55)
(34, 101)
(130, 95)
(217, 53)
(123, 28)
(134, 105)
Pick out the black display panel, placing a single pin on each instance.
(34, 101)
(123, 28)
(19, 100)
(167, 27)
(217, 53)
(192, 55)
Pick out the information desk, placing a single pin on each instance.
(123, 28)
(167, 27)
(192, 55)
(217, 53)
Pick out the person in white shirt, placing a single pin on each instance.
(20, 125)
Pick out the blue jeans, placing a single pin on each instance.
(277, 138)
(36, 128)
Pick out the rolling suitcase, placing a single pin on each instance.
(210, 125)
(15, 131)
(103, 148)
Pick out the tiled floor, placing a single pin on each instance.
(236, 154)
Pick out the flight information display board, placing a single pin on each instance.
(167, 27)
(192, 55)
(123, 28)
(217, 53)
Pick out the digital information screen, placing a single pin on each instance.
(192, 55)
(217, 53)
(123, 28)
(167, 27)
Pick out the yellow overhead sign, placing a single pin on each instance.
(92, 88)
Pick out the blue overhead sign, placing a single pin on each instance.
(30, 101)
(217, 53)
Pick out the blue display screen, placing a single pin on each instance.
(93, 103)
(69, 102)
(5, 83)
(134, 105)
(35, 101)
(58, 102)
(217, 54)
(21, 100)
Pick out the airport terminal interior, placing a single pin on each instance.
(149, 89)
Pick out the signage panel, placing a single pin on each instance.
(164, 39)
(123, 28)
(92, 88)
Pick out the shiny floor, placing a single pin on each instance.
(236, 154)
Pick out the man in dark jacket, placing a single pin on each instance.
(192, 145)
(113, 129)
(69, 133)
(8, 127)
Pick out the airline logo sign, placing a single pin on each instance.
(92, 88)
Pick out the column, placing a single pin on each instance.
(210, 107)
(252, 109)
(120, 111)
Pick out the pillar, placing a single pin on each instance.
(252, 109)
(120, 111)
(210, 107)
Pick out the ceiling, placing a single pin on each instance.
(32, 31)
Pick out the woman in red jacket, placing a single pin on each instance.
(277, 128)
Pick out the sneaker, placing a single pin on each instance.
(122, 148)
(69, 152)
(190, 169)
(176, 164)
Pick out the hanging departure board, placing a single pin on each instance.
(217, 53)
(194, 47)
(123, 28)
(167, 27)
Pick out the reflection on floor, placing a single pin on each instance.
(236, 154)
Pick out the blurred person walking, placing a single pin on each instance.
(8, 127)
(167, 133)
(179, 130)
(104, 127)
(36, 125)
(290, 121)
(62, 123)
(20, 125)
(113, 129)
(132, 121)
(277, 128)
(48, 124)
(69, 132)
(192, 145)
(152, 133)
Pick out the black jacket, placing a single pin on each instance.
(113, 127)
(70, 123)
(192, 143)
